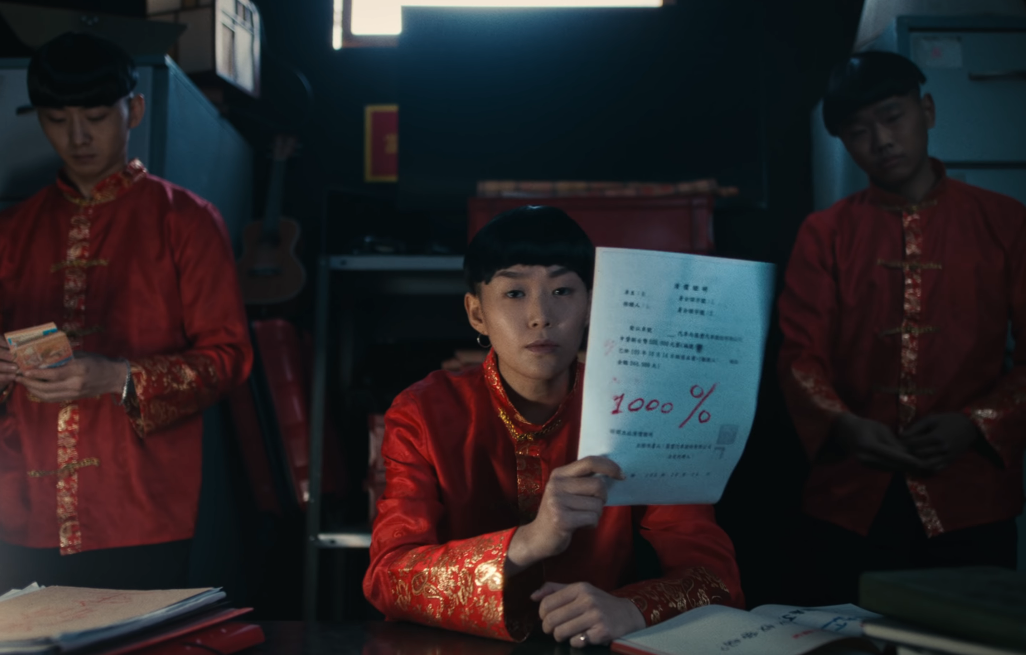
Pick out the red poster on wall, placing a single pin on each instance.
(381, 148)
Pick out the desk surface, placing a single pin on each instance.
(385, 638)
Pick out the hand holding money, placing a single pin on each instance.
(86, 376)
(8, 369)
(42, 346)
(46, 366)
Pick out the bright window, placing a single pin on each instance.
(378, 22)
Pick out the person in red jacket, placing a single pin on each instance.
(489, 524)
(895, 314)
(100, 458)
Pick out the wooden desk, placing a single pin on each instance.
(386, 638)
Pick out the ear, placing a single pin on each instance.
(929, 110)
(475, 313)
(136, 110)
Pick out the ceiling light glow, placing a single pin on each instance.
(384, 17)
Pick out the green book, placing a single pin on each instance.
(983, 604)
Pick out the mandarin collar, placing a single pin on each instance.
(893, 202)
(498, 392)
(110, 188)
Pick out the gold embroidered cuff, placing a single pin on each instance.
(458, 586)
(169, 388)
(664, 598)
(987, 421)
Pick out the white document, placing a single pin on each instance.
(766, 630)
(844, 619)
(674, 360)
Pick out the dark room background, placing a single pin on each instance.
(705, 88)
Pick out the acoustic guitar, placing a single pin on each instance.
(269, 272)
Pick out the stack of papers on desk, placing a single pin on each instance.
(974, 610)
(68, 619)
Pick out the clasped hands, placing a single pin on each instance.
(86, 376)
(573, 499)
(927, 447)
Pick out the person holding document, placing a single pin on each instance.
(487, 524)
(100, 457)
(895, 315)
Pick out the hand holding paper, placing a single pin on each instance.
(675, 356)
(574, 497)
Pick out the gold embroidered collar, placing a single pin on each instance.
(520, 429)
(896, 204)
(110, 188)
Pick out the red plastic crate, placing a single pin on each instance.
(669, 223)
(286, 356)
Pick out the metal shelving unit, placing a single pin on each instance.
(395, 274)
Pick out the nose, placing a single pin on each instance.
(78, 132)
(540, 314)
(883, 138)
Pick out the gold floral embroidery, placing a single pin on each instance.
(66, 469)
(69, 531)
(909, 266)
(527, 438)
(819, 391)
(520, 436)
(912, 307)
(908, 390)
(458, 585)
(75, 268)
(989, 413)
(78, 263)
(75, 283)
(109, 189)
(658, 600)
(985, 414)
(169, 388)
(530, 474)
(927, 512)
(494, 380)
(909, 329)
(529, 486)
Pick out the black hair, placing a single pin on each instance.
(864, 79)
(530, 236)
(77, 69)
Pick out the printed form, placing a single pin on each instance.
(675, 355)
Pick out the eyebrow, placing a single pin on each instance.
(514, 275)
(887, 106)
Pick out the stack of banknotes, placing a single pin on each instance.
(42, 346)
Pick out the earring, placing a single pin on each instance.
(484, 341)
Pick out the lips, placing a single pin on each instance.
(891, 162)
(543, 347)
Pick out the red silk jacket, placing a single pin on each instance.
(144, 271)
(464, 469)
(894, 312)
